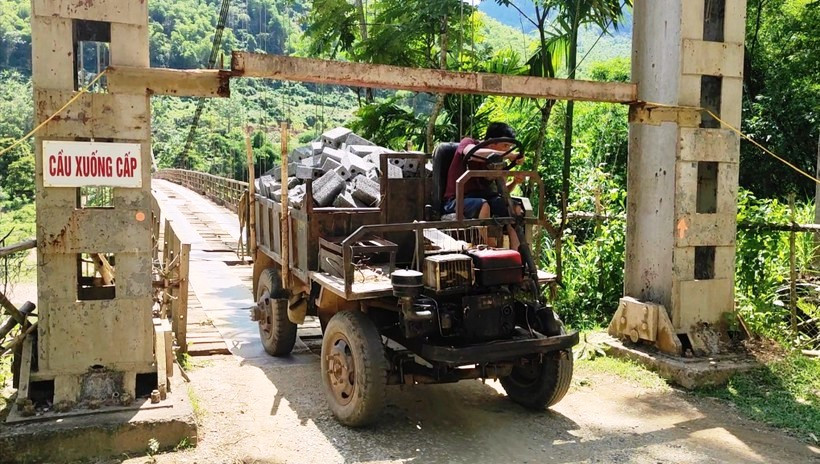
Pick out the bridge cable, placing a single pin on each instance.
(200, 106)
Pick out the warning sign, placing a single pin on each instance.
(85, 164)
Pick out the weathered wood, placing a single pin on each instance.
(27, 245)
(285, 220)
(182, 299)
(251, 191)
(175, 82)
(25, 371)
(11, 322)
(103, 267)
(248, 64)
(12, 310)
(160, 356)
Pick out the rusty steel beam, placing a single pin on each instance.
(175, 82)
(246, 64)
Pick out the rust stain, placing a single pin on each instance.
(85, 3)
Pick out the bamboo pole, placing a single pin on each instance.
(792, 272)
(251, 194)
(285, 222)
(7, 250)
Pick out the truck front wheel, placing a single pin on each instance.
(277, 332)
(354, 368)
(540, 385)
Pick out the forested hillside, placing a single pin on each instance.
(781, 101)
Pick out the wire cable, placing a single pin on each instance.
(79, 93)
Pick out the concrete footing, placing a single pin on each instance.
(689, 373)
(84, 434)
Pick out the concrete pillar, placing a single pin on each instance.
(683, 166)
(91, 347)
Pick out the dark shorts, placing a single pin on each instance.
(473, 203)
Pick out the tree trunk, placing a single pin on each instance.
(431, 124)
(572, 63)
(368, 92)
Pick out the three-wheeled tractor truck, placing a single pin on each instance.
(407, 295)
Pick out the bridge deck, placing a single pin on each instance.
(220, 283)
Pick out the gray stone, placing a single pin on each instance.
(355, 139)
(334, 138)
(293, 181)
(308, 172)
(298, 154)
(334, 154)
(330, 164)
(364, 150)
(394, 172)
(345, 200)
(327, 188)
(396, 162)
(313, 161)
(356, 165)
(317, 147)
(366, 190)
(275, 172)
(343, 172)
(411, 167)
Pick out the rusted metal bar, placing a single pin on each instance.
(175, 82)
(246, 64)
(26, 245)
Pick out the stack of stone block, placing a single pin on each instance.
(344, 168)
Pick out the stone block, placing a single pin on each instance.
(698, 301)
(394, 172)
(334, 154)
(410, 168)
(327, 188)
(317, 147)
(366, 190)
(355, 139)
(293, 182)
(308, 172)
(313, 161)
(356, 165)
(712, 58)
(330, 164)
(344, 200)
(298, 154)
(697, 144)
(364, 150)
(343, 172)
(334, 138)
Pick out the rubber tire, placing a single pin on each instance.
(552, 384)
(371, 368)
(283, 331)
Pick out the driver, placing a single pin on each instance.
(480, 200)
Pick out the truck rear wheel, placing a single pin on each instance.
(354, 368)
(542, 384)
(277, 332)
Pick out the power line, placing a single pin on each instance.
(200, 105)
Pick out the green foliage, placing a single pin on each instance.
(781, 105)
(782, 393)
(762, 264)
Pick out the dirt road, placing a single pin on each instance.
(267, 410)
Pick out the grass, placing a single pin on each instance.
(627, 370)
(783, 393)
(199, 413)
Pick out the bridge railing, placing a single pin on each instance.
(224, 191)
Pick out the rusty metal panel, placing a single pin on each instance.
(115, 11)
(52, 53)
(106, 230)
(426, 80)
(94, 115)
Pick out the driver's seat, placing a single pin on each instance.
(442, 158)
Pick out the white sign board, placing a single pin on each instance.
(86, 164)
